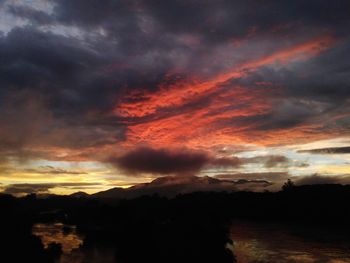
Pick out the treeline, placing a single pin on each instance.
(189, 228)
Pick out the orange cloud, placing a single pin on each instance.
(170, 115)
(180, 93)
(200, 126)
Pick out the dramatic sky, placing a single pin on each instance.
(99, 94)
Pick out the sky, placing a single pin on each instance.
(101, 94)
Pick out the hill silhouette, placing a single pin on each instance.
(170, 186)
(188, 227)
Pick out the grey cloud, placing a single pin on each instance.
(165, 161)
(214, 20)
(126, 45)
(18, 189)
(225, 162)
(323, 179)
(54, 170)
(269, 161)
(276, 160)
(329, 150)
(268, 176)
(273, 180)
(314, 91)
(33, 15)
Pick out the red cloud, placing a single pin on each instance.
(171, 115)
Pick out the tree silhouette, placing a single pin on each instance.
(289, 185)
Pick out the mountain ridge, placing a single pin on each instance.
(170, 186)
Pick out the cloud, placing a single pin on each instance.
(169, 161)
(268, 176)
(276, 160)
(116, 51)
(160, 161)
(81, 80)
(270, 180)
(217, 16)
(269, 161)
(53, 170)
(329, 150)
(323, 179)
(227, 110)
(33, 15)
(163, 161)
(21, 189)
(225, 162)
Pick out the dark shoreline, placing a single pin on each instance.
(187, 228)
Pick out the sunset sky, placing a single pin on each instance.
(100, 94)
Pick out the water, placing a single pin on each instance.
(284, 244)
(71, 242)
(253, 243)
(66, 235)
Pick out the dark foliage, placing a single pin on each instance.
(189, 228)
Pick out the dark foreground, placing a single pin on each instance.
(189, 228)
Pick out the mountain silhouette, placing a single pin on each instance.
(79, 194)
(171, 186)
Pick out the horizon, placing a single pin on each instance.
(96, 95)
(222, 186)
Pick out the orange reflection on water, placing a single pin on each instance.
(266, 243)
(55, 233)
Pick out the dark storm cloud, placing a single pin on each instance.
(329, 150)
(35, 128)
(38, 56)
(50, 86)
(312, 89)
(78, 60)
(191, 30)
(61, 67)
(213, 19)
(183, 162)
(91, 12)
(33, 15)
(324, 77)
(77, 81)
(162, 161)
(49, 65)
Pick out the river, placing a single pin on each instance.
(252, 243)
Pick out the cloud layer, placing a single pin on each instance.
(329, 150)
(81, 81)
(22, 189)
(162, 161)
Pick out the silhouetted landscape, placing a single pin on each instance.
(191, 227)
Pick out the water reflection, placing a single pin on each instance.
(65, 235)
(71, 242)
(252, 243)
(278, 243)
